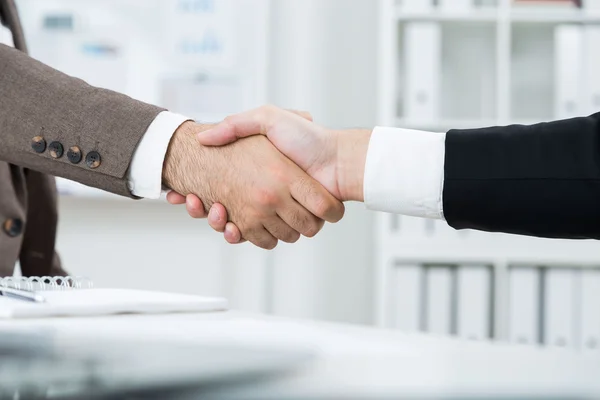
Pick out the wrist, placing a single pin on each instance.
(179, 155)
(352, 147)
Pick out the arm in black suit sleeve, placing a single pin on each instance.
(539, 180)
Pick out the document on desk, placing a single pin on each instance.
(87, 302)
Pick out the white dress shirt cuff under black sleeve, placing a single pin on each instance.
(404, 172)
(145, 172)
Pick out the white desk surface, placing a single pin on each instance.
(360, 362)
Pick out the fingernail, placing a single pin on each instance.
(214, 215)
(229, 235)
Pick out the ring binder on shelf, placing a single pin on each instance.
(43, 283)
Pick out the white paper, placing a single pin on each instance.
(86, 302)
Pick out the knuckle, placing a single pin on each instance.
(269, 109)
(322, 206)
(330, 210)
(267, 198)
(229, 120)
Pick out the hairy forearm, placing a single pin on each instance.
(352, 146)
(179, 160)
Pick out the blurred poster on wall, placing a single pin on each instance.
(201, 33)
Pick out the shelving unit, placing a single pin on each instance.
(496, 67)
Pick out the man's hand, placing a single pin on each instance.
(265, 194)
(334, 158)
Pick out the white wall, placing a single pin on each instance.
(323, 59)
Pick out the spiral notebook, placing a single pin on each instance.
(75, 296)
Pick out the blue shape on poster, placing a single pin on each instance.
(197, 6)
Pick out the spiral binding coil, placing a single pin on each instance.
(40, 283)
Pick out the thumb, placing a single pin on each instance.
(233, 128)
(249, 123)
(220, 135)
(304, 114)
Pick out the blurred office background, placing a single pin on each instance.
(420, 64)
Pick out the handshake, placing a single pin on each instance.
(265, 175)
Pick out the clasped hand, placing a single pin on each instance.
(264, 192)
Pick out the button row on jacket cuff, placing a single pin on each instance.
(74, 154)
(38, 144)
(56, 149)
(13, 227)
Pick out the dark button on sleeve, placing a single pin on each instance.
(13, 227)
(93, 159)
(74, 154)
(38, 144)
(56, 149)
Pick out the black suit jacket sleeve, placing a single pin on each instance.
(539, 180)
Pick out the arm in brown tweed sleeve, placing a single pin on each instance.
(39, 101)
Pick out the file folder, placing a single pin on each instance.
(408, 297)
(474, 303)
(591, 67)
(568, 56)
(439, 288)
(590, 310)
(422, 46)
(560, 307)
(524, 305)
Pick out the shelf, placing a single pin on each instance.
(517, 14)
(557, 16)
(444, 125)
(476, 15)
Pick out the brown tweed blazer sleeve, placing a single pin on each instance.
(37, 101)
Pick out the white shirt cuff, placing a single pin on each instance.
(404, 172)
(145, 171)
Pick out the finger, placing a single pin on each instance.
(316, 199)
(245, 124)
(217, 217)
(282, 231)
(234, 127)
(304, 114)
(302, 221)
(175, 198)
(194, 206)
(232, 234)
(261, 237)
